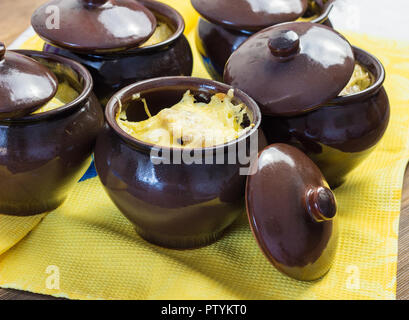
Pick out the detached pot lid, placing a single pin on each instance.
(291, 68)
(25, 84)
(251, 15)
(290, 210)
(94, 25)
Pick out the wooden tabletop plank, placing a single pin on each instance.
(10, 294)
(15, 18)
(402, 291)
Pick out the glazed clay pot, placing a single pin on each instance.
(296, 72)
(177, 205)
(44, 155)
(114, 70)
(217, 42)
(341, 133)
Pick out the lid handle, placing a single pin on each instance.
(284, 43)
(320, 203)
(2, 50)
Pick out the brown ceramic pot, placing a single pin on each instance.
(42, 156)
(292, 213)
(341, 133)
(114, 70)
(217, 41)
(299, 70)
(172, 205)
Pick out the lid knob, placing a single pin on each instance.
(320, 203)
(2, 50)
(284, 43)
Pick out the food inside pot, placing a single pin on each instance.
(191, 124)
(65, 94)
(361, 80)
(162, 33)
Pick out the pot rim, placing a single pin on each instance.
(380, 77)
(174, 81)
(168, 12)
(79, 101)
(157, 8)
(325, 12)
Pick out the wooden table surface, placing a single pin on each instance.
(15, 18)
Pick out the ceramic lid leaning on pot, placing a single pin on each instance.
(251, 15)
(291, 68)
(292, 212)
(25, 84)
(94, 25)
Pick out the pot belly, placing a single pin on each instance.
(41, 162)
(337, 138)
(172, 205)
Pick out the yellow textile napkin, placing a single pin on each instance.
(87, 250)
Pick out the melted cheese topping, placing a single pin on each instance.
(302, 19)
(361, 79)
(65, 94)
(162, 33)
(190, 124)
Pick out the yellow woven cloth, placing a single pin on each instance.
(99, 256)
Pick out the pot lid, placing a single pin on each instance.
(94, 25)
(290, 210)
(291, 68)
(251, 15)
(25, 84)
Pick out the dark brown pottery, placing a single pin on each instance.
(173, 205)
(25, 84)
(341, 133)
(112, 71)
(296, 71)
(292, 213)
(216, 41)
(42, 156)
